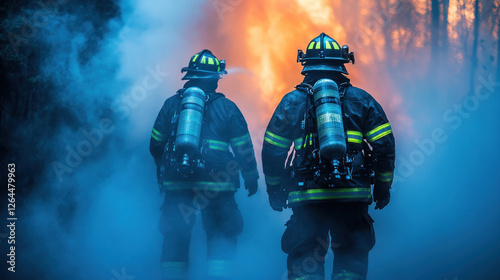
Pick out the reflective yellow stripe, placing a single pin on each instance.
(379, 132)
(381, 135)
(157, 132)
(273, 180)
(217, 145)
(210, 61)
(194, 58)
(329, 194)
(202, 185)
(310, 277)
(376, 129)
(275, 143)
(318, 45)
(298, 143)
(354, 136)
(385, 176)
(156, 138)
(335, 46)
(327, 45)
(241, 140)
(277, 140)
(311, 45)
(203, 60)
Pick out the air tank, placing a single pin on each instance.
(331, 136)
(187, 140)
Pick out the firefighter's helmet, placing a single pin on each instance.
(325, 54)
(204, 65)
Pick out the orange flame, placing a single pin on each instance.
(261, 38)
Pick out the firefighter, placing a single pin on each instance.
(342, 144)
(191, 142)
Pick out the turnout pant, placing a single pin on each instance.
(307, 240)
(222, 223)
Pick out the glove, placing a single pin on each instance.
(381, 194)
(277, 201)
(251, 187)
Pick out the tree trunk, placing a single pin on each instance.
(444, 35)
(474, 47)
(435, 17)
(498, 51)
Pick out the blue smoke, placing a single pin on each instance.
(95, 214)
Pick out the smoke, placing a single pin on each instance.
(96, 209)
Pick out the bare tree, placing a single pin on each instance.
(498, 51)
(435, 17)
(477, 22)
(445, 4)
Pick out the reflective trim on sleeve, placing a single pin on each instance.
(273, 180)
(329, 194)
(158, 136)
(202, 185)
(385, 176)
(217, 145)
(241, 140)
(379, 132)
(277, 140)
(298, 143)
(354, 136)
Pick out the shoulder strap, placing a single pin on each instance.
(309, 121)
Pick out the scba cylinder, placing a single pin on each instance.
(187, 140)
(329, 119)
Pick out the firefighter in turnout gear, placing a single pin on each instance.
(200, 143)
(342, 144)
